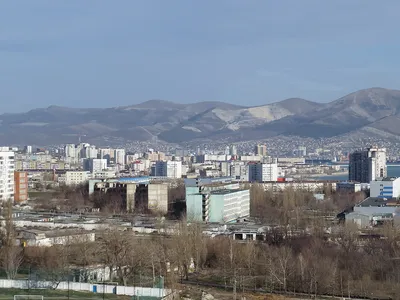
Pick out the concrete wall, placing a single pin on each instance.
(130, 196)
(85, 287)
(158, 197)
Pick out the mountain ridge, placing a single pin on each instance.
(374, 110)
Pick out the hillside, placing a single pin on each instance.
(374, 110)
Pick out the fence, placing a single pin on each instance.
(86, 287)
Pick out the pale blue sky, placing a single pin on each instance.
(84, 53)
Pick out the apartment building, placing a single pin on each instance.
(119, 157)
(215, 200)
(7, 168)
(170, 169)
(367, 165)
(260, 150)
(74, 177)
(259, 172)
(94, 165)
(20, 186)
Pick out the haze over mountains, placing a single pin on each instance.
(373, 111)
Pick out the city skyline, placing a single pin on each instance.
(94, 54)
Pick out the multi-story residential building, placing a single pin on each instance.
(28, 149)
(260, 172)
(119, 157)
(70, 152)
(260, 150)
(232, 150)
(385, 188)
(348, 187)
(367, 165)
(94, 165)
(89, 151)
(107, 153)
(6, 174)
(20, 186)
(170, 169)
(215, 200)
(74, 177)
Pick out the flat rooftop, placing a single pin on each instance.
(379, 202)
(226, 191)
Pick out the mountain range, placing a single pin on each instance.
(370, 111)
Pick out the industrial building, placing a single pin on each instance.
(215, 200)
(136, 192)
(7, 168)
(385, 188)
(373, 211)
(367, 165)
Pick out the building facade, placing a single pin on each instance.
(213, 201)
(119, 157)
(385, 188)
(348, 187)
(20, 186)
(7, 168)
(170, 169)
(95, 165)
(74, 177)
(367, 165)
(260, 172)
(260, 150)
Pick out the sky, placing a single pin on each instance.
(98, 53)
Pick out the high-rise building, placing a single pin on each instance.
(232, 150)
(89, 151)
(94, 165)
(28, 149)
(6, 174)
(260, 172)
(70, 151)
(260, 150)
(119, 157)
(107, 153)
(367, 165)
(20, 186)
(170, 169)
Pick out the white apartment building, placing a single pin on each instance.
(74, 177)
(94, 165)
(260, 150)
(119, 157)
(89, 151)
(259, 172)
(170, 169)
(385, 188)
(6, 174)
(70, 151)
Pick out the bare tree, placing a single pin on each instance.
(10, 254)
